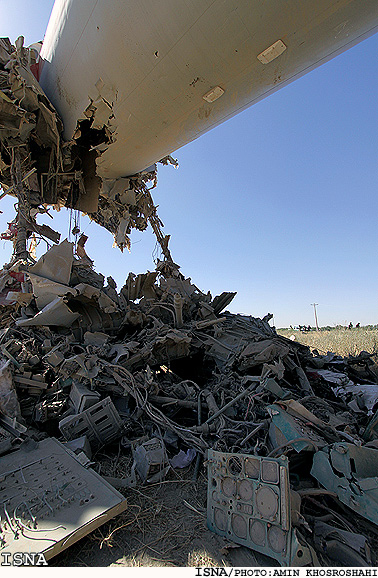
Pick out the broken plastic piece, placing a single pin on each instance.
(183, 459)
(80, 444)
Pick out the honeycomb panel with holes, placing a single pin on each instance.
(248, 502)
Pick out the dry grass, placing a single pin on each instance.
(198, 558)
(341, 341)
(164, 524)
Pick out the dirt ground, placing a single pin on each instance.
(163, 525)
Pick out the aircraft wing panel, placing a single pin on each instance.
(142, 68)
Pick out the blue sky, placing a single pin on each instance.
(279, 203)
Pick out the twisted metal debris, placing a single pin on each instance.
(159, 368)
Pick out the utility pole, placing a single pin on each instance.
(316, 317)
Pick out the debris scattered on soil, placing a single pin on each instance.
(160, 373)
(161, 370)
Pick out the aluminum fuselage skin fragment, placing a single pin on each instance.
(145, 78)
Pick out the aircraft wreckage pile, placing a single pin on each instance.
(159, 370)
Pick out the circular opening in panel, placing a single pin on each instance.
(246, 490)
(220, 519)
(267, 502)
(228, 486)
(235, 466)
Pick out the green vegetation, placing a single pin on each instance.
(339, 340)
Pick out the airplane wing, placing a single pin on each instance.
(158, 74)
(134, 81)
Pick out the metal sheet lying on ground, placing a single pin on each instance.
(49, 501)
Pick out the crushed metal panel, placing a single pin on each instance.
(371, 430)
(56, 264)
(259, 352)
(137, 286)
(94, 319)
(55, 313)
(121, 186)
(334, 377)
(46, 291)
(248, 501)
(347, 548)
(100, 423)
(82, 398)
(173, 285)
(225, 346)
(92, 293)
(221, 301)
(271, 385)
(46, 129)
(151, 460)
(352, 473)
(174, 345)
(5, 50)
(96, 338)
(49, 501)
(359, 397)
(285, 428)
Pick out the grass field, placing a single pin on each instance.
(338, 340)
